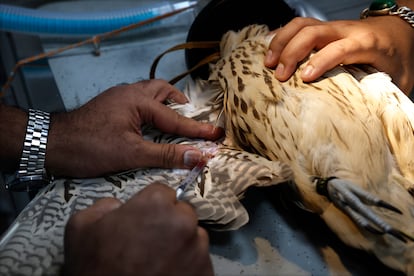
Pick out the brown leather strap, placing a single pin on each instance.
(211, 58)
(183, 46)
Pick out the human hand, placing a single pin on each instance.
(151, 234)
(104, 135)
(373, 41)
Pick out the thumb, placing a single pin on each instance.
(169, 156)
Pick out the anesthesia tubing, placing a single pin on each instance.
(34, 21)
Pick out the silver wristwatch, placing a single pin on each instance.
(32, 174)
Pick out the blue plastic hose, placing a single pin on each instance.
(25, 20)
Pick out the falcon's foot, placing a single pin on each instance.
(354, 201)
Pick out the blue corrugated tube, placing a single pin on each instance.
(25, 20)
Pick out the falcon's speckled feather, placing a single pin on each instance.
(348, 139)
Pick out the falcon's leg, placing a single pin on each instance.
(353, 201)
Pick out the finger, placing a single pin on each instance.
(344, 51)
(203, 236)
(168, 156)
(160, 194)
(84, 218)
(157, 197)
(179, 215)
(161, 191)
(170, 92)
(93, 213)
(170, 121)
(160, 90)
(308, 39)
(199, 254)
(283, 36)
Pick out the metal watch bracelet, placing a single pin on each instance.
(405, 13)
(389, 7)
(32, 172)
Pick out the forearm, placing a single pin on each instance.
(13, 123)
(396, 45)
(409, 33)
(407, 3)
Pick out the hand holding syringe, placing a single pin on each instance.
(194, 173)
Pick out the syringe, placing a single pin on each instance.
(191, 177)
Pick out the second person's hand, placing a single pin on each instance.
(373, 41)
(150, 234)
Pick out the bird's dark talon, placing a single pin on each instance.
(385, 205)
(397, 234)
(373, 230)
(354, 202)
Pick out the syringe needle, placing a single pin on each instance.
(191, 177)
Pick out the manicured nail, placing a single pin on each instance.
(280, 69)
(191, 158)
(307, 72)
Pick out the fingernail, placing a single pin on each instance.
(191, 158)
(268, 57)
(307, 71)
(269, 37)
(280, 69)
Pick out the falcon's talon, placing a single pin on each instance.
(374, 230)
(385, 205)
(353, 201)
(397, 234)
(374, 224)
